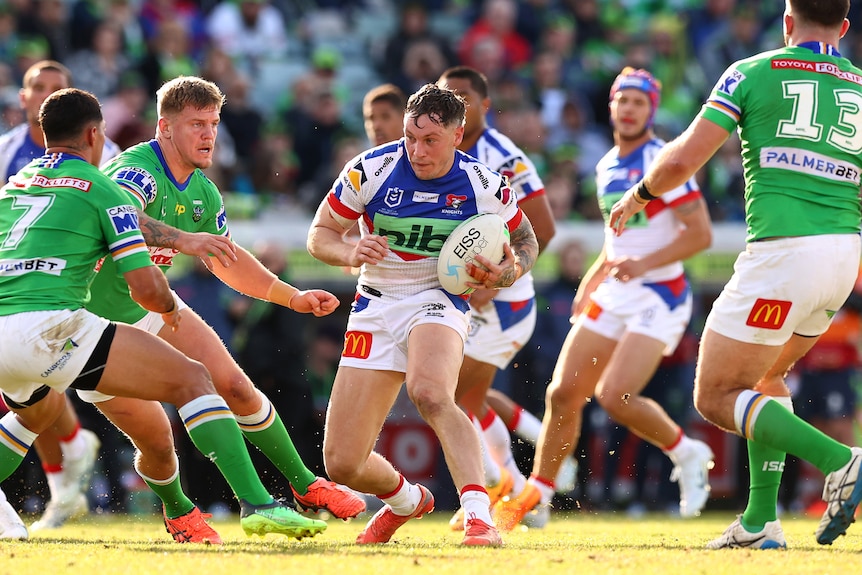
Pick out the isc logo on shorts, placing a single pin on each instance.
(357, 344)
(768, 313)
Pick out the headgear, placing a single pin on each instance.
(641, 80)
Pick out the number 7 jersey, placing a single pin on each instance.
(799, 115)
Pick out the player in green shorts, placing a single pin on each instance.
(164, 178)
(58, 216)
(798, 111)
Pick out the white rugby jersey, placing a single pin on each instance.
(498, 152)
(380, 190)
(650, 229)
(17, 149)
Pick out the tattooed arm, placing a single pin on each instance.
(200, 244)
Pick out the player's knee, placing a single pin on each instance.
(429, 402)
(340, 467)
(195, 382)
(562, 396)
(238, 391)
(615, 403)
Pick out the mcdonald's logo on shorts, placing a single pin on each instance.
(357, 344)
(768, 313)
(593, 310)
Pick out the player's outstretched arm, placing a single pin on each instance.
(250, 277)
(200, 244)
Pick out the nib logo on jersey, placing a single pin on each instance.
(414, 235)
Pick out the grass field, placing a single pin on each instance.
(571, 543)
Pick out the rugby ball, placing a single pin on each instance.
(483, 234)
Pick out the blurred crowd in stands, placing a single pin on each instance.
(295, 71)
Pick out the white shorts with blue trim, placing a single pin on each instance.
(499, 330)
(660, 310)
(377, 330)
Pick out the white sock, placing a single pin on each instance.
(476, 505)
(546, 491)
(491, 467)
(682, 450)
(528, 426)
(405, 499)
(75, 447)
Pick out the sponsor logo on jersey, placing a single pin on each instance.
(357, 344)
(355, 177)
(221, 218)
(426, 197)
(816, 67)
(768, 313)
(124, 219)
(386, 161)
(393, 197)
(162, 256)
(16, 267)
(420, 236)
(482, 177)
(513, 168)
(42, 182)
(504, 193)
(807, 162)
(139, 180)
(729, 82)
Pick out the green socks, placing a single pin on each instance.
(214, 432)
(267, 432)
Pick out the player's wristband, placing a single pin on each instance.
(173, 307)
(643, 193)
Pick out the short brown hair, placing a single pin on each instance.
(442, 106)
(175, 95)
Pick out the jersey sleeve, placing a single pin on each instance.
(345, 198)
(120, 227)
(724, 106)
(523, 177)
(139, 183)
(687, 192)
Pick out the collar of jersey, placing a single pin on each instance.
(821, 48)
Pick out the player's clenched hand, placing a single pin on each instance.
(172, 318)
(627, 268)
(624, 209)
(369, 250)
(205, 245)
(316, 301)
(493, 276)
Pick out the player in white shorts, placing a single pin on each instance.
(503, 320)
(631, 308)
(407, 197)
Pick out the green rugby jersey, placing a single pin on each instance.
(58, 216)
(193, 206)
(799, 115)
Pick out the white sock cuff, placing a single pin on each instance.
(14, 435)
(260, 420)
(167, 481)
(203, 409)
(786, 401)
(748, 405)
